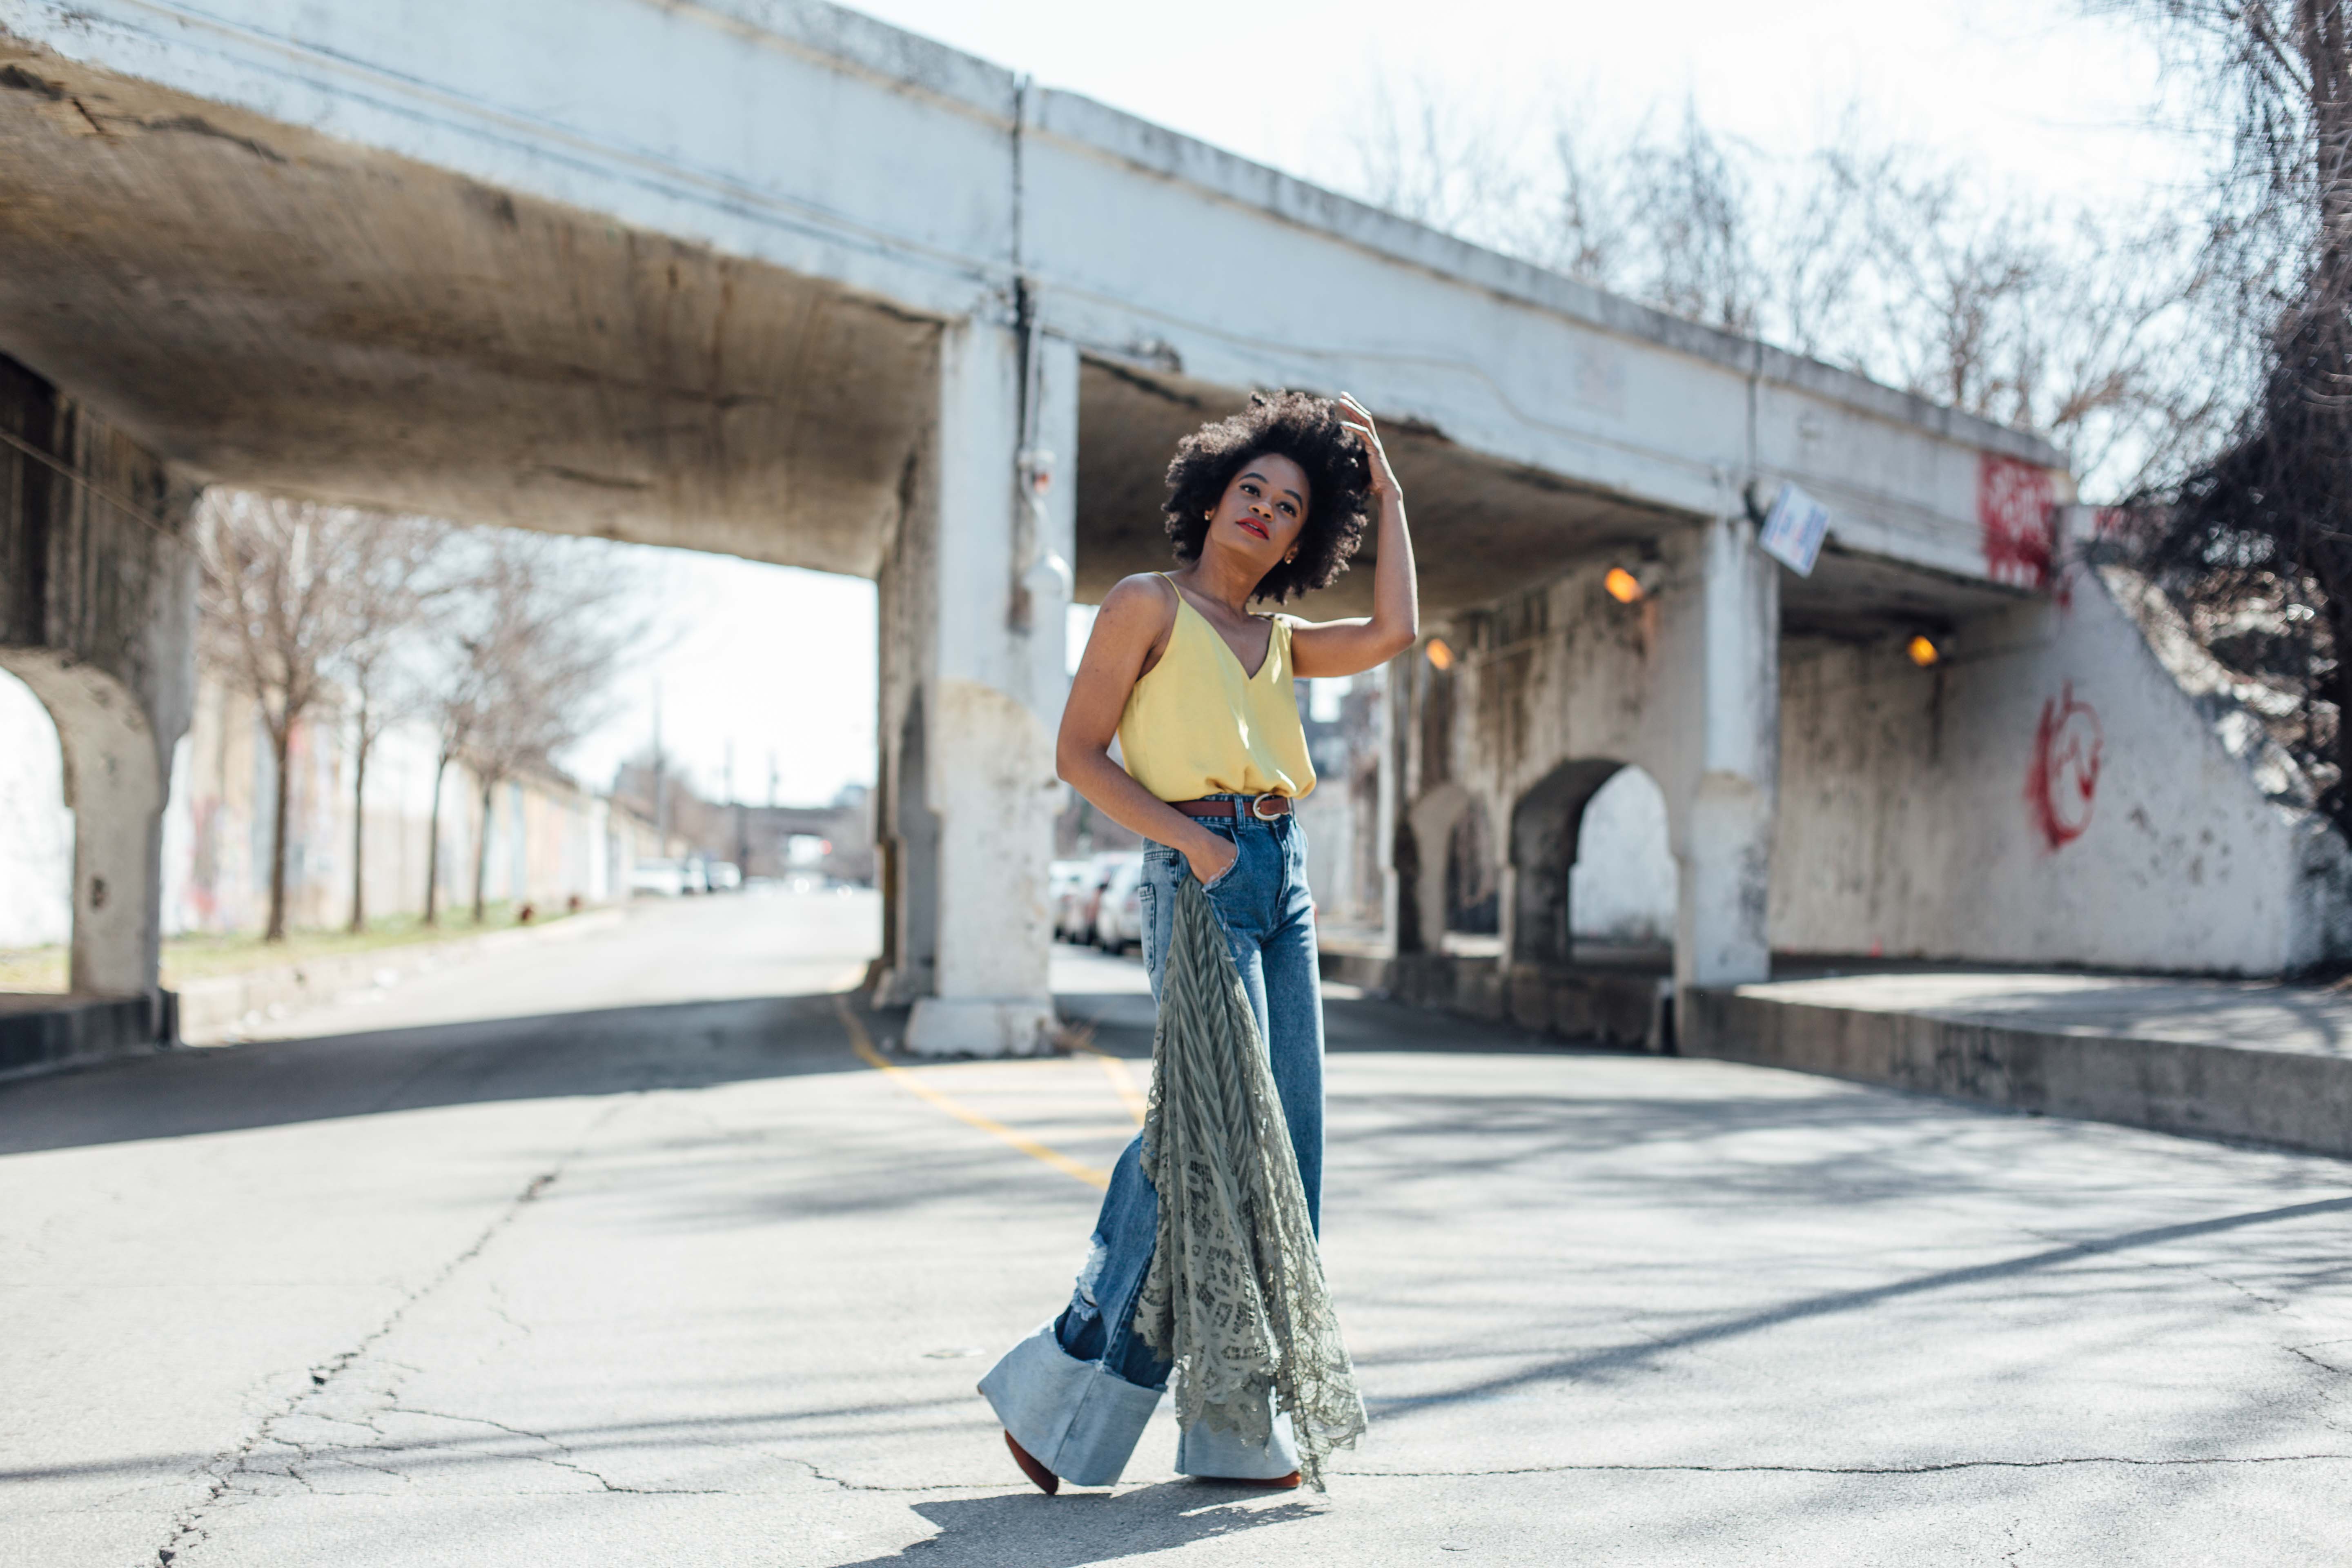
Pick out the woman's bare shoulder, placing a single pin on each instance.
(1146, 599)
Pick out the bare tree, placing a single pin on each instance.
(2254, 544)
(455, 707)
(552, 628)
(273, 615)
(390, 594)
(1877, 257)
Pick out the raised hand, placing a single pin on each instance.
(1357, 419)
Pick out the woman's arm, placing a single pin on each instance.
(1135, 616)
(1352, 647)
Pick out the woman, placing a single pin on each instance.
(1198, 691)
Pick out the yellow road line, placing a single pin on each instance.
(864, 1046)
(1122, 1081)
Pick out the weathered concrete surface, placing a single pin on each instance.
(1543, 697)
(775, 279)
(44, 1032)
(2267, 1062)
(653, 1285)
(276, 306)
(2051, 795)
(97, 617)
(1627, 1005)
(672, 272)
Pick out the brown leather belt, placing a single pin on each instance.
(1264, 807)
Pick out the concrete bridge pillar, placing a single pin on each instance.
(975, 589)
(97, 617)
(1720, 685)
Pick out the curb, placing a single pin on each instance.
(214, 1011)
(2288, 1100)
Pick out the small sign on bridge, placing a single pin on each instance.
(1794, 530)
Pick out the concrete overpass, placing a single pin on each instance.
(765, 277)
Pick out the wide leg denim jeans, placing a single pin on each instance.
(1077, 1394)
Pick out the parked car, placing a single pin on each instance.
(697, 872)
(725, 876)
(1118, 912)
(1063, 878)
(1071, 921)
(663, 878)
(1086, 901)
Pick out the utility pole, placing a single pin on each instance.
(661, 779)
(743, 831)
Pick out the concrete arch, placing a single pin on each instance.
(1624, 888)
(97, 617)
(1472, 890)
(35, 829)
(1430, 823)
(1545, 825)
(114, 783)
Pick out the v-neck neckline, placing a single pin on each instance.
(1249, 676)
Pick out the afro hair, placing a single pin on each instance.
(1307, 430)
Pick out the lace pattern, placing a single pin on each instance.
(1235, 1296)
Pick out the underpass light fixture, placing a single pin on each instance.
(1924, 651)
(1439, 654)
(1623, 586)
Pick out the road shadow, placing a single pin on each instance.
(1037, 1531)
(618, 1050)
(1121, 1023)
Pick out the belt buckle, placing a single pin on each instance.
(1257, 803)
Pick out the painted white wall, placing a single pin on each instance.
(1916, 821)
(37, 831)
(1622, 887)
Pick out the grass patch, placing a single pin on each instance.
(203, 955)
(32, 969)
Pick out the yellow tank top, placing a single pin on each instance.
(1199, 724)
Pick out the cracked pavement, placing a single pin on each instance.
(652, 1269)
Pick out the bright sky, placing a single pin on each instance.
(2044, 94)
(781, 662)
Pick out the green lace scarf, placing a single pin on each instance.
(1236, 1296)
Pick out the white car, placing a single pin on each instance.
(1061, 879)
(1118, 914)
(663, 878)
(1079, 905)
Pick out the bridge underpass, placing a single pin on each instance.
(802, 289)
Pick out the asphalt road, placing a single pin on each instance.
(629, 1275)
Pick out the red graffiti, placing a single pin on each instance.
(2063, 775)
(2014, 501)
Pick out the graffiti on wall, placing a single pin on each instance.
(2062, 779)
(2015, 501)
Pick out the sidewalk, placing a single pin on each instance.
(221, 1009)
(48, 1031)
(2263, 1061)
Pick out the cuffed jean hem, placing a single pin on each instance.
(1209, 1451)
(1081, 1420)
(1077, 1418)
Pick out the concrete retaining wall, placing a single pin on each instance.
(1601, 1006)
(44, 1034)
(2049, 795)
(2298, 1100)
(217, 1009)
